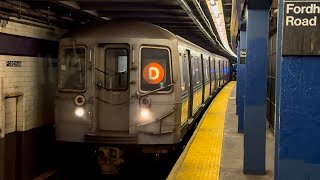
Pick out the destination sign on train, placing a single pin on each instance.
(153, 73)
(301, 21)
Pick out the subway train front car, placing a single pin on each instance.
(131, 84)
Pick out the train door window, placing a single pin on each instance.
(206, 70)
(200, 70)
(212, 70)
(222, 68)
(155, 69)
(195, 70)
(184, 72)
(116, 68)
(72, 62)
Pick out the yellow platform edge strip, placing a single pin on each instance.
(201, 157)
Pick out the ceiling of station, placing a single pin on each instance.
(186, 18)
(227, 11)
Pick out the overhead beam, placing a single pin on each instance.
(142, 15)
(129, 5)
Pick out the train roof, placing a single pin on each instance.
(123, 29)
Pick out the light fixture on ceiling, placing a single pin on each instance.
(212, 2)
(215, 11)
(218, 21)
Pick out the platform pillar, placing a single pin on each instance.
(256, 87)
(297, 147)
(237, 85)
(242, 76)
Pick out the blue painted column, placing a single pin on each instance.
(256, 87)
(237, 85)
(242, 78)
(297, 148)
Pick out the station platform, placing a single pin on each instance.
(215, 151)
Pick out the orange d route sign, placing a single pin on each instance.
(153, 73)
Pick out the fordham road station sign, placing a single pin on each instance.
(301, 27)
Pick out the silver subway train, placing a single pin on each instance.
(132, 83)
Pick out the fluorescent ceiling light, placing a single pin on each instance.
(218, 21)
(215, 11)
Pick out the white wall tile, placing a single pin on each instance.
(32, 79)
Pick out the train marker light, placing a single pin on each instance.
(80, 100)
(145, 101)
(79, 111)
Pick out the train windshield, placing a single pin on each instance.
(155, 69)
(72, 69)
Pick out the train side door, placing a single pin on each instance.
(212, 76)
(219, 62)
(223, 72)
(203, 77)
(113, 92)
(188, 54)
(185, 85)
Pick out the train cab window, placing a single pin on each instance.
(116, 69)
(155, 70)
(72, 69)
(184, 72)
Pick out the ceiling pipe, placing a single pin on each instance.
(22, 11)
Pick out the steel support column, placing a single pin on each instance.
(297, 132)
(242, 78)
(256, 87)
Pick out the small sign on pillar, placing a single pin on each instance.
(243, 55)
(301, 27)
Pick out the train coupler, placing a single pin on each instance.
(109, 159)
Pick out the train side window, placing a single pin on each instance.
(155, 69)
(116, 68)
(184, 72)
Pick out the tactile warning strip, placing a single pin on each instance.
(201, 157)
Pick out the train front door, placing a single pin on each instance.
(113, 90)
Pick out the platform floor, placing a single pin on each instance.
(215, 151)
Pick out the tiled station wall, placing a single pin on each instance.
(28, 60)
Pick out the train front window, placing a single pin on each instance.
(72, 68)
(155, 69)
(116, 69)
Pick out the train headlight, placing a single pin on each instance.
(79, 111)
(145, 113)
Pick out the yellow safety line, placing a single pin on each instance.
(201, 157)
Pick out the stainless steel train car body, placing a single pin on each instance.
(115, 93)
